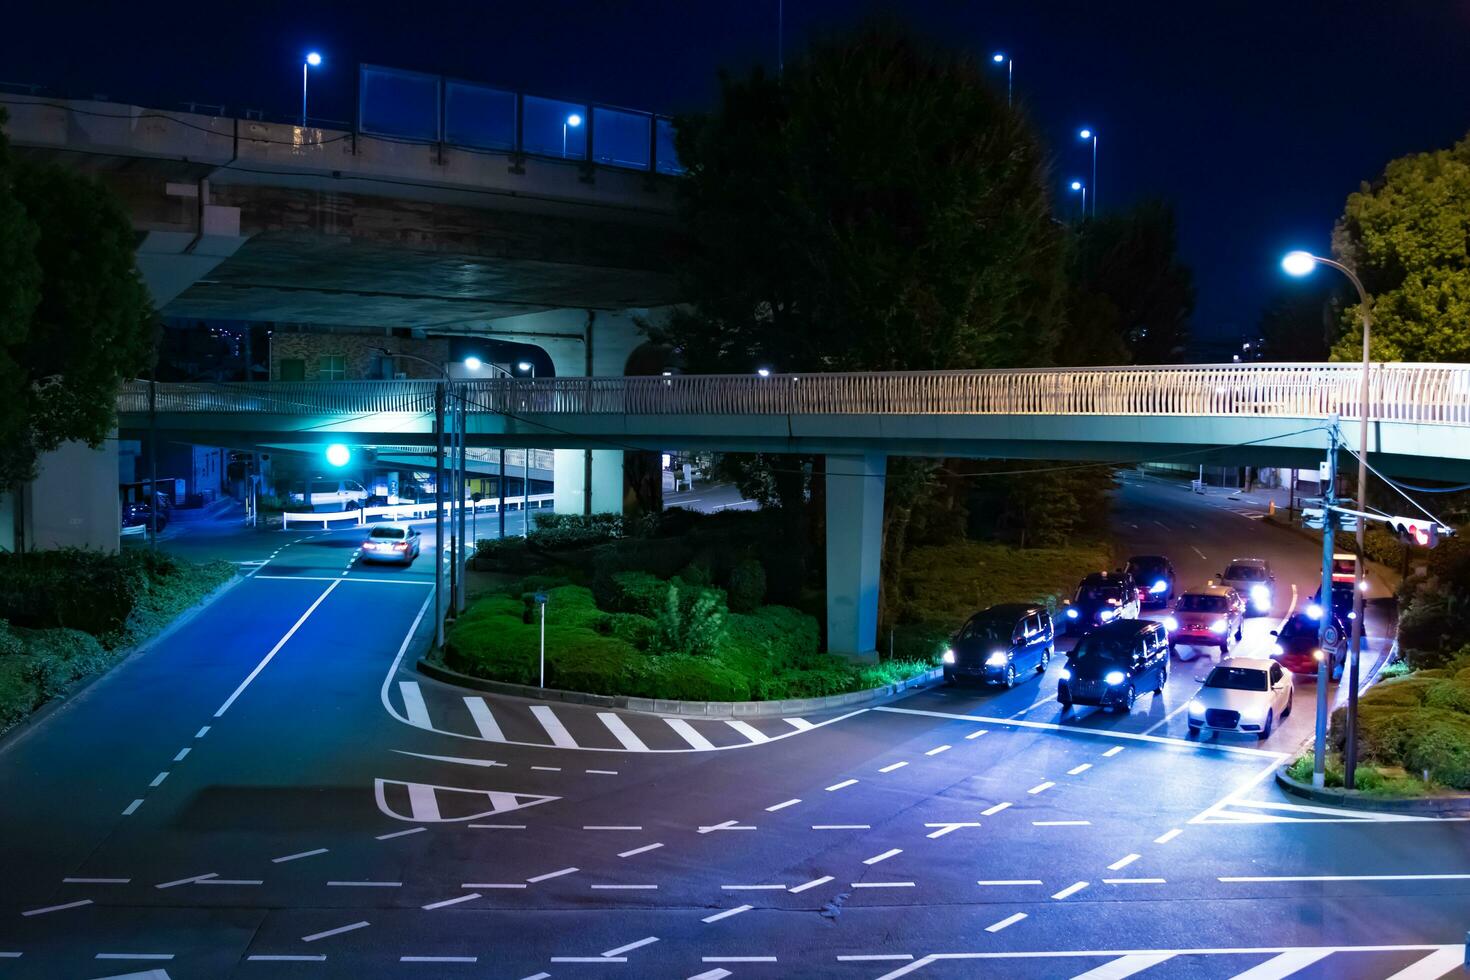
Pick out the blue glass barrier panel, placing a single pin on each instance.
(667, 156)
(554, 128)
(620, 138)
(402, 104)
(479, 116)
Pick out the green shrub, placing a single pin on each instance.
(1431, 630)
(633, 592)
(681, 677)
(1450, 695)
(591, 663)
(691, 620)
(747, 587)
(18, 693)
(571, 607)
(1440, 744)
(920, 641)
(560, 532)
(635, 630)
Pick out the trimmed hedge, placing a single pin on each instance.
(1420, 722)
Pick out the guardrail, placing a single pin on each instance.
(1433, 393)
(358, 516)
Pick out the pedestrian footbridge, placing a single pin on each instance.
(1250, 414)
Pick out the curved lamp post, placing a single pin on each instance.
(573, 121)
(1001, 58)
(313, 60)
(1091, 134)
(1301, 264)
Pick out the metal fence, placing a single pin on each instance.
(1432, 393)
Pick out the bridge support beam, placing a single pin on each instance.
(571, 488)
(854, 552)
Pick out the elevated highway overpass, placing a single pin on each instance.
(1272, 414)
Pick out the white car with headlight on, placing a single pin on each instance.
(1241, 695)
(1252, 578)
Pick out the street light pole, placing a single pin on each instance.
(461, 559)
(1001, 58)
(526, 481)
(1324, 668)
(312, 60)
(439, 394)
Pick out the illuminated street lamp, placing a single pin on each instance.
(1001, 58)
(1300, 264)
(573, 121)
(313, 60)
(764, 372)
(473, 363)
(338, 455)
(1078, 185)
(1089, 134)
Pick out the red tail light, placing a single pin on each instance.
(401, 546)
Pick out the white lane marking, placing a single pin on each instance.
(552, 874)
(688, 733)
(737, 959)
(842, 826)
(186, 881)
(1112, 751)
(1133, 881)
(800, 724)
(1005, 923)
(298, 856)
(414, 706)
(9, 955)
(286, 958)
(1123, 862)
(555, 730)
(496, 826)
(992, 811)
(893, 766)
(1166, 719)
(947, 828)
(202, 732)
(95, 881)
(229, 881)
(607, 826)
(1198, 552)
(782, 806)
(747, 729)
(1041, 788)
(364, 884)
(875, 958)
(401, 833)
(493, 885)
(810, 884)
(76, 905)
(1284, 964)
(1079, 770)
(182, 753)
(274, 650)
(718, 973)
(1124, 966)
(158, 780)
(622, 732)
(882, 884)
(619, 951)
(451, 901)
(893, 852)
(1033, 705)
(1167, 836)
(134, 956)
(727, 825)
(1265, 878)
(356, 581)
(939, 749)
(842, 785)
(753, 888)
(438, 959)
(333, 932)
(546, 768)
(726, 914)
(625, 888)
(455, 759)
(1061, 823)
(640, 850)
(1070, 890)
(1437, 964)
(976, 734)
(1010, 881)
(600, 772)
(1161, 524)
(580, 959)
(484, 721)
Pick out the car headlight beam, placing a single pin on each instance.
(948, 656)
(1170, 623)
(1219, 626)
(1115, 677)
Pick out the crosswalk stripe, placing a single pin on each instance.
(422, 802)
(622, 732)
(1124, 966)
(413, 703)
(1283, 964)
(800, 724)
(687, 732)
(747, 729)
(1437, 964)
(484, 720)
(560, 737)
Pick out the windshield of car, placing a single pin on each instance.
(1237, 679)
(389, 532)
(1099, 593)
(1201, 603)
(988, 630)
(1103, 648)
(1246, 573)
(1146, 564)
(1299, 626)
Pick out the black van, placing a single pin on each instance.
(1112, 664)
(999, 643)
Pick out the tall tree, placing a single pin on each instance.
(1129, 297)
(90, 324)
(20, 291)
(1407, 235)
(1301, 321)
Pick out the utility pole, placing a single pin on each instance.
(1324, 667)
(439, 514)
(462, 556)
(500, 482)
(451, 496)
(153, 459)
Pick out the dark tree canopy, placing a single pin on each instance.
(879, 207)
(76, 317)
(1129, 297)
(1302, 320)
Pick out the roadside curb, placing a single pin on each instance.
(1353, 800)
(693, 709)
(74, 692)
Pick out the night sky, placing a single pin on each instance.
(1255, 119)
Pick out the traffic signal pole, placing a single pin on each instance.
(1324, 666)
(1350, 749)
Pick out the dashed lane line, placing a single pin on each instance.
(883, 884)
(891, 852)
(1005, 882)
(726, 914)
(1123, 862)
(286, 958)
(95, 881)
(552, 874)
(1133, 881)
(494, 885)
(938, 749)
(186, 881)
(438, 959)
(75, 905)
(132, 808)
(1079, 770)
(401, 833)
(1070, 890)
(134, 956)
(1041, 787)
(842, 826)
(1061, 823)
(976, 734)
(1112, 751)
(727, 825)
(892, 766)
(796, 889)
(620, 950)
(1005, 923)
(651, 888)
(604, 826)
(738, 959)
(754, 888)
(1167, 836)
(364, 884)
(449, 901)
(782, 806)
(298, 856)
(842, 785)
(948, 828)
(992, 811)
(334, 932)
(640, 850)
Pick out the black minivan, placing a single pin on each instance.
(1112, 664)
(999, 643)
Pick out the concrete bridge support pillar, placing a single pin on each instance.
(570, 476)
(854, 552)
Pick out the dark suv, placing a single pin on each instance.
(1101, 598)
(999, 643)
(1113, 663)
(1155, 576)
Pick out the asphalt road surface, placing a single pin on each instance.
(271, 792)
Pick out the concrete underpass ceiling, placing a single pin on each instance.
(295, 277)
